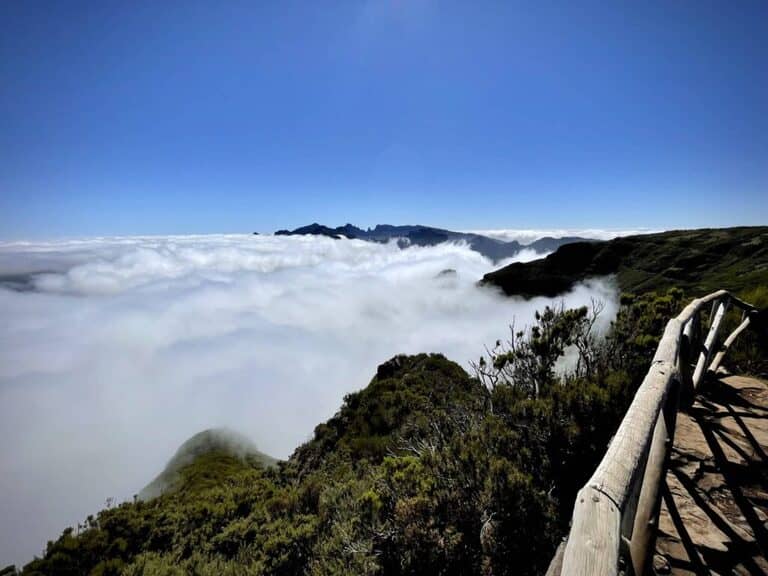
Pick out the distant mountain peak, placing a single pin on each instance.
(419, 235)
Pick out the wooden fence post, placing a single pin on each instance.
(615, 513)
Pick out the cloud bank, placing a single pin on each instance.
(119, 349)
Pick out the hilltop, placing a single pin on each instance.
(222, 446)
(697, 261)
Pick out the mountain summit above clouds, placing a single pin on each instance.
(418, 235)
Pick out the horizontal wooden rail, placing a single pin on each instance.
(614, 516)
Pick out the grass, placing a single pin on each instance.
(697, 261)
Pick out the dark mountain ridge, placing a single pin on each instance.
(698, 261)
(418, 235)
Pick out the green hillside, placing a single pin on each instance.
(230, 449)
(697, 261)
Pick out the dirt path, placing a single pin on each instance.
(714, 512)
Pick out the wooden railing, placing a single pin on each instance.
(615, 514)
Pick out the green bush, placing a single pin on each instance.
(749, 353)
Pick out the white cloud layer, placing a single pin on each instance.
(128, 346)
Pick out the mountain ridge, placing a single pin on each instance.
(419, 235)
(698, 261)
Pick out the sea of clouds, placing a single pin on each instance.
(113, 351)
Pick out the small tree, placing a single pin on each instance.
(528, 359)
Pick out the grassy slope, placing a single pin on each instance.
(698, 261)
(220, 512)
(217, 441)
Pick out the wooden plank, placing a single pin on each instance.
(745, 306)
(622, 464)
(644, 529)
(556, 566)
(669, 345)
(696, 343)
(712, 312)
(727, 344)
(709, 344)
(684, 359)
(595, 548)
(696, 305)
(593, 545)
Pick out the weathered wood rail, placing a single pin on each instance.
(614, 518)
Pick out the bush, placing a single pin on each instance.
(749, 353)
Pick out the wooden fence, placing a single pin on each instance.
(614, 518)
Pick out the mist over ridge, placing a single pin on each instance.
(125, 347)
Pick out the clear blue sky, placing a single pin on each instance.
(175, 117)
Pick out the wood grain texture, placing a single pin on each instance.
(556, 566)
(709, 344)
(593, 545)
(727, 344)
(644, 529)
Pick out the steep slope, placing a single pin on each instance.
(398, 482)
(698, 261)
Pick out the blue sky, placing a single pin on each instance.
(181, 117)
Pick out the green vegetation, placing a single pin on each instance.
(749, 354)
(697, 261)
(428, 470)
(221, 441)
